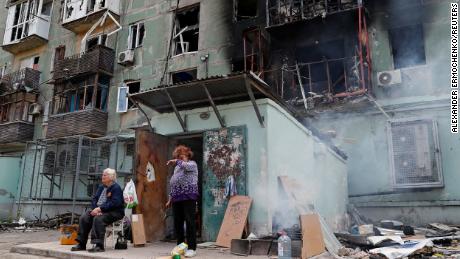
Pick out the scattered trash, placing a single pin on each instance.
(252, 236)
(180, 249)
(376, 240)
(404, 250)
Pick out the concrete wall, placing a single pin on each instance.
(319, 171)
(9, 178)
(215, 40)
(268, 156)
(362, 134)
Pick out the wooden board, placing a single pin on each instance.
(138, 230)
(234, 221)
(312, 236)
(152, 151)
(291, 187)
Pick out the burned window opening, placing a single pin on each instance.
(183, 76)
(289, 11)
(407, 45)
(186, 31)
(255, 50)
(245, 9)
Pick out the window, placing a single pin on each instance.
(46, 8)
(30, 62)
(20, 17)
(407, 44)
(79, 96)
(129, 88)
(91, 43)
(245, 9)
(14, 106)
(183, 76)
(186, 31)
(415, 154)
(136, 35)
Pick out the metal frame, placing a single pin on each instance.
(437, 156)
(96, 153)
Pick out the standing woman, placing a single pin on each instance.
(183, 196)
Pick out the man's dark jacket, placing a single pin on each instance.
(114, 201)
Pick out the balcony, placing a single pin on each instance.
(27, 25)
(26, 78)
(89, 122)
(80, 15)
(100, 59)
(18, 131)
(282, 12)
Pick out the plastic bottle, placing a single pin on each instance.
(284, 246)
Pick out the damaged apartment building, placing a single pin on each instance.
(344, 96)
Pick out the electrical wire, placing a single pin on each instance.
(169, 47)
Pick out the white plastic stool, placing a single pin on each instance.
(116, 227)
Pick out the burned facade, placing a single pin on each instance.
(257, 88)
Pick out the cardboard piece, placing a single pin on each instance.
(312, 236)
(138, 230)
(234, 221)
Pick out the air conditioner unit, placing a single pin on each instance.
(35, 109)
(126, 57)
(389, 78)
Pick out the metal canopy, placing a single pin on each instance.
(208, 92)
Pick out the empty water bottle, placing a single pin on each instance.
(284, 246)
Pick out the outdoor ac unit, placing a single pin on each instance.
(388, 78)
(126, 57)
(35, 109)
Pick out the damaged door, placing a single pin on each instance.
(224, 166)
(151, 181)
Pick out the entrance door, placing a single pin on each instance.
(224, 157)
(151, 181)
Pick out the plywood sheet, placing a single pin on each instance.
(234, 221)
(312, 236)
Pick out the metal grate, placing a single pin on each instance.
(414, 150)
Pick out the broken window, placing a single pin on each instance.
(136, 35)
(183, 76)
(245, 9)
(415, 154)
(20, 17)
(133, 87)
(81, 95)
(46, 7)
(186, 30)
(91, 43)
(15, 106)
(407, 45)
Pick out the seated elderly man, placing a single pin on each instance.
(107, 207)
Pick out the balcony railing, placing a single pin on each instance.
(100, 59)
(288, 11)
(18, 131)
(27, 35)
(89, 122)
(26, 77)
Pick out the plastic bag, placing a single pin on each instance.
(129, 195)
(179, 249)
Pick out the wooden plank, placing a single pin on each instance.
(290, 186)
(152, 195)
(312, 237)
(235, 219)
(138, 230)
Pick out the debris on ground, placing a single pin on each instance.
(39, 224)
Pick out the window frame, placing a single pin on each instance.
(138, 41)
(436, 158)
